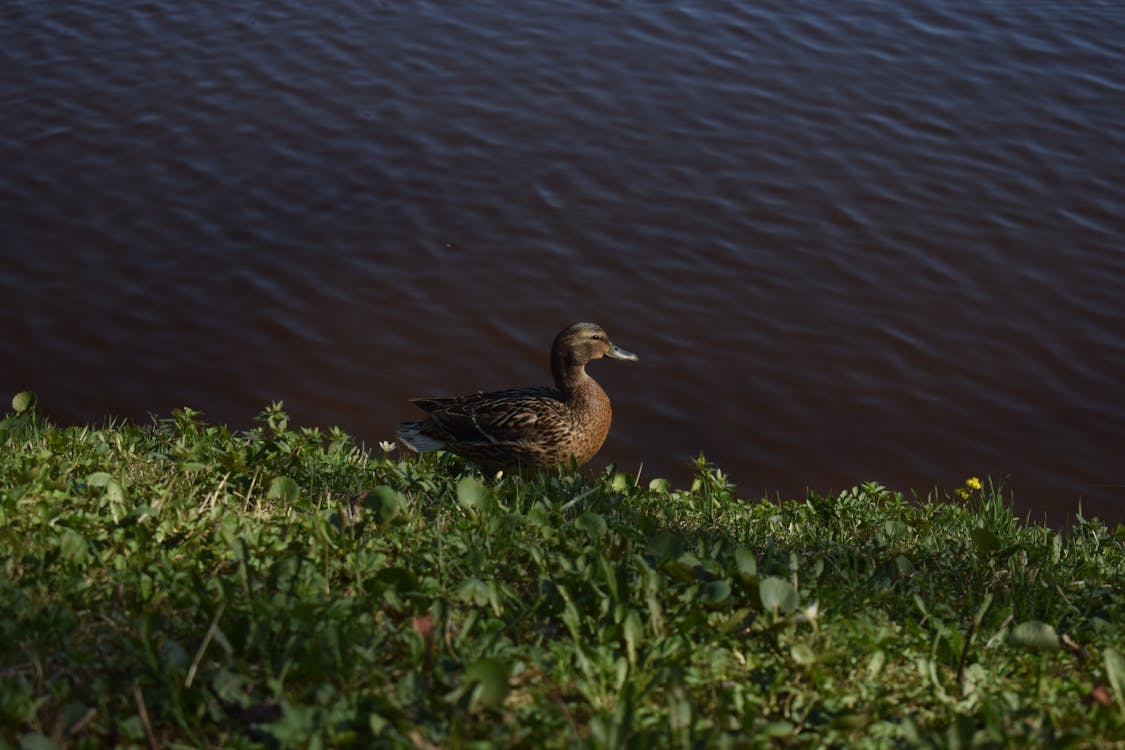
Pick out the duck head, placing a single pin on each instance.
(578, 343)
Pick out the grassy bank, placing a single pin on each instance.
(177, 584)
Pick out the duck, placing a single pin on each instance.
(526, 428)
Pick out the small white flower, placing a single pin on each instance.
(809, 613)
(387, 446)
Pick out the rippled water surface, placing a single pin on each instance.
(848, 240)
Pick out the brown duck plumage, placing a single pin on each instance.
(526, 427)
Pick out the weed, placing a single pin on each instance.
(178, 583)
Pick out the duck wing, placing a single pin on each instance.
(508, 416)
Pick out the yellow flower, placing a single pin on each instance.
(972, 483)
(962, 493)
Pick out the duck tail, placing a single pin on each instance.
(410, 434)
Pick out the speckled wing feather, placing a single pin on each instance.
(508, 416)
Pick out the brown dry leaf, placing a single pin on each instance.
(531, 674)
(1071, 645)
(420, 742)
(424, 626)
(1100, 695)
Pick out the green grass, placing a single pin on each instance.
(180, 585)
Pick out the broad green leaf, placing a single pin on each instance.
(114, 492)
(664, 545)
(173, 655)
(384, 503)
(474, 591)
(377, 723)
(895, 530)
(679, 709)
(634, 631)
(1115, 671)
(683, 567)
(1035, 635)
(37, 741)
(490, 674)
(660, 485)
(621, 667)
(296, 724)
(402, 580)
(986, 540)
(592, 523)
(802, 654)
(736, 619)
(132, 728)
(23, 401)
(901, 567)
(72, 546)
(223, 641)
(978, 618)
(875, 664)
(473, 495)
(779, 729)
(99, 479)
(6, 426)
(975, 676)
(621, 482)
(539, 516)
(778, 595)
(283, 488)
(714, 593)
(747, 565)
(229, 532)
(921, 605)
(610, 574)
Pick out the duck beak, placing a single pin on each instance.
(618, 353)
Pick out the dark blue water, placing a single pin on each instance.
(849, 241)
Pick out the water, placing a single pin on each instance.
(849, 241)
